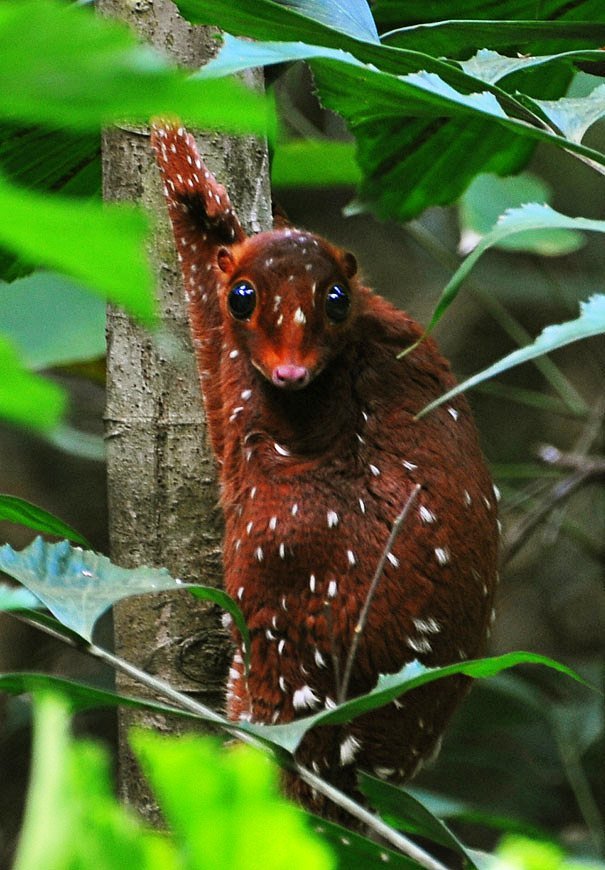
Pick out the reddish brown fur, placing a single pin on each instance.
(312, 480)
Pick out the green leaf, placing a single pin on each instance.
(461, 38)
(590, 322)
(309, 163)
(17, 510)
(52, 320)
(79, 696)
(224, 807)
(491, 67)
(72, 818)
(574, 116)
(78, 586)
(101, 246)
(404, 811)
(392, 686)
(420, 140)
(421, 136)
(83, 71)
(490, 196)
(352, 17)
(26, 398)
(531, 216)
(396, 11)
(16, 598)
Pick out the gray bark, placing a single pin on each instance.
(161, 476)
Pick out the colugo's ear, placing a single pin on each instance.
(225, 261)
(349, 264)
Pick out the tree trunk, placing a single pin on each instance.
(161, 478)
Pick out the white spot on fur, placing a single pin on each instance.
(312, 582)
(273, 523)
(442, 555)
(419, 644)
(332, 589)
(375, 470)
(362, 506)
(452, 412)
(283, 451)
(384, 772)
(428, 626)
(299, 316)
(304, 697)
(332, 518)
(427, 516)
(393, 560)
(349, 748)
(351, 557)
(319, 659)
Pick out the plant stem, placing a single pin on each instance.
(363, 616)
(395, 838)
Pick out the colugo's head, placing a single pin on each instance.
(290, 300)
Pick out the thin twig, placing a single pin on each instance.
(561, 491)
(363, 616)
(395, 838)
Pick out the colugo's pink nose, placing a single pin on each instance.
(290, 377)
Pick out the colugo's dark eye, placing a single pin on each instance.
(338, 303)
(242, 300)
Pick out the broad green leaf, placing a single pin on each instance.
(461, 38)
(530, 217)
(590, 322)
(25, 398)
(404, 811)
(489, 196)
(392, 686)
(101, 246)
(227, 805)
(396, 11)
(72, 818)
(16, 598)
(421, 137)
(574, 116)
(78, 586)
(491, 67)
(17, 510)
(83, 71)
(413, 152)
(307, 163)
(352, 17)
(52, 320)
(409, 161)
